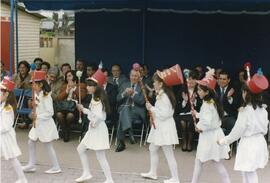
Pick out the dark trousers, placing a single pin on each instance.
(228, 124)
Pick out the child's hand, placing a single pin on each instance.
(148, 106)
(34, 116)
(221, 141)
(80, 107)
(92, 124)
(194, 113)
(198, 130)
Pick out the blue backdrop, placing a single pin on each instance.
(217, 40)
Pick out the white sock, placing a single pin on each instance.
(251, 177)
(18, 168)
(52, 155)
(168, 150)
(84, 160)
(197, 171)
(101, 157)
(32, 153)
(244, 177)
(222, 171)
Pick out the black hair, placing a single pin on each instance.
(100, 95)
(11, 100)
(80, 60)
(166, 89)
(256, 100)
(38, 59)
(75, 78)
(118, 65)
(194, 74)
(105, 70)
(94, 66)
(47, 64)
(45, 87)
(225, 73)
(26, 64)
(213, 96)
(65, 64)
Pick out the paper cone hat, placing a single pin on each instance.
(172, 76)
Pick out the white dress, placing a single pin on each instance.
(97, 136)
(9, 146)
(45, 129)
(165, 132)
(251, 126)
(209, 123)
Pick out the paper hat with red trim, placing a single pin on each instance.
(209, 79)
(258, 82)
(7, 84)
(172, 76)
(38, 76)
(99, 77)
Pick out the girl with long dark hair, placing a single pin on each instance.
(45, 130)
(97, 137)
(250, 127)
(209, 129)
(165, 134)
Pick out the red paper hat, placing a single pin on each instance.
(38, 76)
(172, 76)
(99, 77)
(258, 82)
(209, 80)
(7, 84)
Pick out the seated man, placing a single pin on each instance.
(229, 98)
(131, 106)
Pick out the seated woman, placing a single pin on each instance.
(183, 111)
(68, 92)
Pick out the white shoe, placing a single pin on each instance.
(84, 178)
(149, 176)
(53, 171)
(29, 169)
(22, 181)
(109, 181)
(171, 181)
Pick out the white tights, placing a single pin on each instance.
(250, 177)
(18, 168)
(51, 152)
(154, 160)
(101, 157)
(220, 167)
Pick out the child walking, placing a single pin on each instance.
(250, 127)
(209, 130)
(97, 137)
(165, 134)
(9, 147)
(45, 129)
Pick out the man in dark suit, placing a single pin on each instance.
(111, 91)
(117, 78)
(131, 107)
(229, 98)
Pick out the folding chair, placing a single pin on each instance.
(27, 94)
(111, 127)
(19, 95)
(135, 123)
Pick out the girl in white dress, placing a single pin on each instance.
(165, 134)
(209, 130)
(250, 127)
(9, 147)
(97, 137)
(45, 130)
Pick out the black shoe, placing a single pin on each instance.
(121, 146)
(66, 136)
(132, 140)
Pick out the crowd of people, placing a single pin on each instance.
(211, 107)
